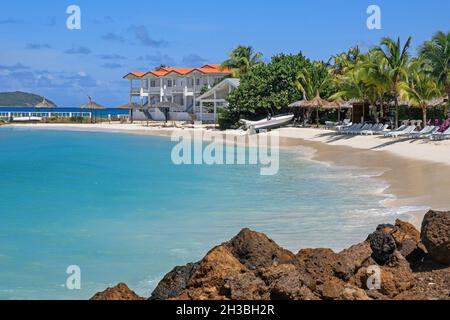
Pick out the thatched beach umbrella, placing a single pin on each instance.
(92, 106)
(317, 103)
(437, 102)
(339, 104)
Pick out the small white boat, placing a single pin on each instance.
(273, 122)
(26, 119)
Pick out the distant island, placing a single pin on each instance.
(21, 99)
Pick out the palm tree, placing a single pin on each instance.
(397, 58)
(345, 61)
(375, 75)
(314, 80)
(437, 54)
(420, 88)
(242, 59)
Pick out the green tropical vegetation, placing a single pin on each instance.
(387, 78)
(436, 53)
(242, 60)
(264, 88)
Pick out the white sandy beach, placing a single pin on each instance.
(420, 149)
(417, 171)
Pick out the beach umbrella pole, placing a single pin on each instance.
(317, 117)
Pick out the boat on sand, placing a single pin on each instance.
(268, 123)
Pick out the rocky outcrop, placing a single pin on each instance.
(119, 292)
(395, 262)
(383, 244)
(174, 282)
(436, 235)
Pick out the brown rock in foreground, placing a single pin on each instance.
(436, 235)
(392, 263)
(119, 292)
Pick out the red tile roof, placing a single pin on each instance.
(135, 74)
(206, 69)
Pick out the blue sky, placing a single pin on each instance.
(39, 54)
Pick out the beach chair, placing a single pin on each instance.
(441, 135)
(424, 133)
(364, 127)
(344, 126)
(374, 127)
(406, 132)
(380, 128)
(353, 128)
(401, 128)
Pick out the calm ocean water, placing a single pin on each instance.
(116, 206)
(98, 113)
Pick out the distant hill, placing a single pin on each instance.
(20, 99)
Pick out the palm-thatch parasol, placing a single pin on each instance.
(44, 104)
(401, 103)
(93, 106)
(437, 102)
(339, 104)
(317, 103)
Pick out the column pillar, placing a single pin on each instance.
(201, 110)
(161, 92)
(131, 101)
(215, 108)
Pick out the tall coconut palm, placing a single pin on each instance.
(314, 79)
(397, 58)
(242, 59)
(375, 75)
(345, 61)
(420, 88)
(437, 53)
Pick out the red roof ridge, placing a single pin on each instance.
(163, 71)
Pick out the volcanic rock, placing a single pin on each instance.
(436, 235)
(383, 244)
(119, 292)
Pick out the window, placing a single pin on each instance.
(152, 83)
(197, 82)
(169, 83)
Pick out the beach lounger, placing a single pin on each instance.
(344, 126)
(375, 127)
(406, 132)
(441, 135)
(358, 130)
(352, 128)
(378, 129)
(401, 128)
(424, 133)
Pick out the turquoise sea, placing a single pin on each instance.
(116, 206)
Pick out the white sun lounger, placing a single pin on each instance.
(425, 132)
(360, 129)
(401, 128)
(344, 126)
(378, 129)
(441, 135)
(407, 131)
(352, 128)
